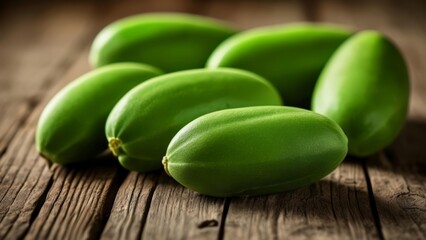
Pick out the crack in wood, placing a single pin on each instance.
(117, 182)
(208, 223)
(372, 200)
(223, 219)
(148, 206)
(39, 205)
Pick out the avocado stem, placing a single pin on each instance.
(165, 162)
(114, 145)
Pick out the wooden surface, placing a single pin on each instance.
(45, 46)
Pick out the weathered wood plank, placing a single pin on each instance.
(400, 195)
(79, 200)
(396, 176)
(179, 213)
(25, 177)
(76, 206)
(337, 207)
(131, 206)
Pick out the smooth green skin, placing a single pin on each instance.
(71, 127)
(170, 41)
(365, 89)
(289, 56)
(147, 118)
(255, 150)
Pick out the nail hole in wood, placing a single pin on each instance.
(208, 223)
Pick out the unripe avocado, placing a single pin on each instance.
(71, 127)
(255, 150)
(365, 89)
(170, 41)
(290, 56)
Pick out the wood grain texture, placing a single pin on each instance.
(43, 47)
(35, 58)
(337, 207)
(76, 206)
(131, 206)
(400, 198)
(398, 179)
(179, 213)
(24, 178)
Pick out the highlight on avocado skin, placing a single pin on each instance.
(143, 122)
(255, 150)
(71, 127)
(365, 89)
(170, 41)
(290, 56)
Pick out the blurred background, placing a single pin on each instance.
(53, 34)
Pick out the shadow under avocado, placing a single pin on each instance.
(407, 154)
(324, 207)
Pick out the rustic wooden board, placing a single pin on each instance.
(24, 179)
(44, 53)
(101, 200)
(131, 206)
(78, 203)
(335, 208)
(179, 213)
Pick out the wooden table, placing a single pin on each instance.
(45, 46)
